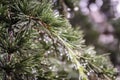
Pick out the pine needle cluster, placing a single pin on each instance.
(37, 44)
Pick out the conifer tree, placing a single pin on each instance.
(38, 44)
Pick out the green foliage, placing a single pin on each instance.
(37, 44)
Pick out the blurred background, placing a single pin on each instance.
(100, 21)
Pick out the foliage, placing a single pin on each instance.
(37, 44)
